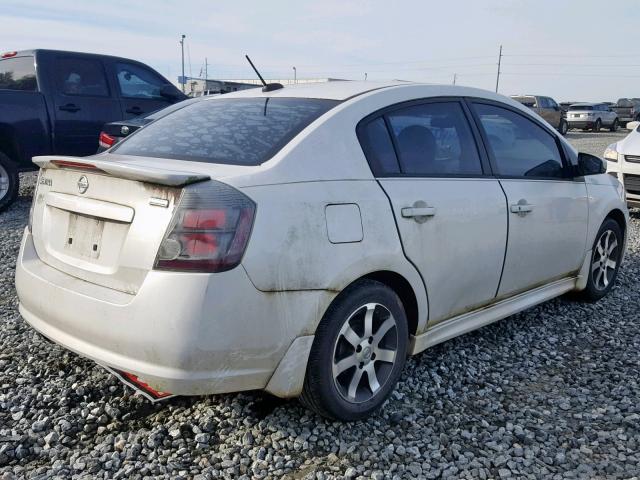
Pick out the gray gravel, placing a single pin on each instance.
(553, 392)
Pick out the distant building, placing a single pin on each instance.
(196, 87)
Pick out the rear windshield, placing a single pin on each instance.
(581, 107)
(18, 73)
(234, 131)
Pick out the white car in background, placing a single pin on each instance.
(623, 162)
(592, 116)
(305, 240)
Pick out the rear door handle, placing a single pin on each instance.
(420, 212)
(69, 107)
(134, 110)
(521, 208)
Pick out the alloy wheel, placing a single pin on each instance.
(4, 182)
(365, 352)
(605, 260)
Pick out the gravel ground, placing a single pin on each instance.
(552, 392)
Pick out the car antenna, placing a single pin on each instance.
(267, 87)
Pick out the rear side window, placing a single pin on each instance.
(81, 76)
(233, 131)
(434, 139)
(138, 82)
(519, 146)
(18, 73)
(378, 148)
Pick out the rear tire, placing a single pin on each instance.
(614, 126)
(605, 261)
(564, 127)
(597, 126)
(358, 353)
(9, 182)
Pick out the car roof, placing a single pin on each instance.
(585, 104)
(342, 90)
(35, 51)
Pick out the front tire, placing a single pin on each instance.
(614, 126)
(597, 126)
(358, 353)
(9, 182)
(605, 261)
(563, 128)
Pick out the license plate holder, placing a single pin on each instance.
(84, 235)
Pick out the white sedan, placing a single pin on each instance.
(623, 162)
(305, 240)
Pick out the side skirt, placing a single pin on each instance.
(473, 320)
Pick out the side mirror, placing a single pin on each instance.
(590, 165)
(632, 125)
(169, 92)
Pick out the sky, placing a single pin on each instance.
(571, 50)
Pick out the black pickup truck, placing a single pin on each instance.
(56, 102)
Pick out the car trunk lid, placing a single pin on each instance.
(103, 221)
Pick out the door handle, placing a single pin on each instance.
(134, 110)
(521, 208)
(420, 211)
(69, 107)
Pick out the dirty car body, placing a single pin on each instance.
(237, 243)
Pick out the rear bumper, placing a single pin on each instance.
(187, 334)
(580, 123)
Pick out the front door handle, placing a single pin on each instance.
(521, 208)
(420, 211)
(134, 110)
(69, 107)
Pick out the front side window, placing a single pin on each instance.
(232, 131)
(520, 148)
(81, 76)
(18, 73)
(434, 139)
(138, 82)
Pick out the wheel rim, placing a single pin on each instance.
(365, 353)
(4, 182)
(605, 260)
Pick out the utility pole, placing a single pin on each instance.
(499, 64)
(206, 69)
(182, 48)
(454, 78)
(295, 75)
(365, 76)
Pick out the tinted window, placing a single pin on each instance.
(520, 147)
(234, 131)
(138, 82)
(378, 148)
(580, 107)
(18, 73)
(434, 139)
(81, 76)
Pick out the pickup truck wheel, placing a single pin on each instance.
(358, 353)
(597, 126)
(9, 182)
(564, 127)
(614, 126)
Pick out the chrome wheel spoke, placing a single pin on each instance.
(385, 355)
(350, 336)
(374, 385)
(344, 364)
(355, 382)
(387, 325)
(595, 266)
(611, 264)
(368, 320)
(612, 247)
(598, 276)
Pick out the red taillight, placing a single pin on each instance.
(9, 54)
(137, 383)
(210, 230)
(105, 140)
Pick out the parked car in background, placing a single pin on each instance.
(627, 109)
(307, 239)
(592, 116)
(56, 102)
(547, 108)
(623, 162)
(113, 132)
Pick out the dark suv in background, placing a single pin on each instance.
(56, 102)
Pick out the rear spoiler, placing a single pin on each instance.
(130, 171)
